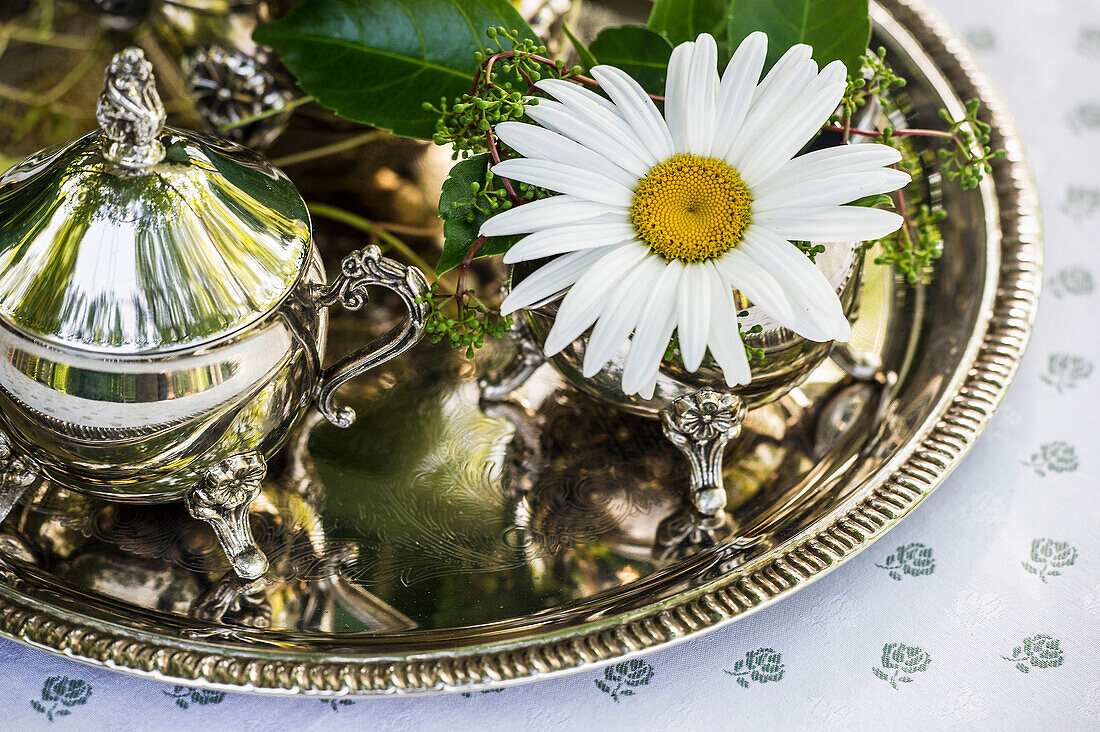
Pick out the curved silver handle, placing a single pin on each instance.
(358, 271)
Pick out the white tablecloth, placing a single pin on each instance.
(980, 611)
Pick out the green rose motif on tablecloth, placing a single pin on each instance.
(60, 694)
(762, 665)
(1065, 370)
(1048, 555)
(911, 559)
(185, 696)
(1088, 43)
(900, 662)
(1054, 457)
(1085, 117)
(335, 704)
(622, 678)
(981, 39)
(1071, 281)
(1081, 203)
(1038, 651)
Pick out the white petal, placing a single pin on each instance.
(550, 279)
(744, 274)
(545, 213)
(770, 105)
(647, 389)
(807, 112)
(736, 90)
(540, 143)
(702, 95)
(583, 103)
(554, 87)
(830, 223)
(693, 314)
(560, 118)
(831, 160)
(724, 339)
(637, 108)
(565, 179)
(571, 238)
(620, 316)
(654, 330)
(805, 285)
(587, 298)
(831, 190)
(795, 57)
(676, 99)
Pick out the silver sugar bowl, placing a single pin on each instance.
(163, 313)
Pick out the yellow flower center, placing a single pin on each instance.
(691, 208)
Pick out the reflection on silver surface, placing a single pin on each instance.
(449, 551)
(788, 357)
(163, 316)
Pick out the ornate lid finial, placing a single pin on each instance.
(130, 111)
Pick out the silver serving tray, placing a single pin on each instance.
(439, 546)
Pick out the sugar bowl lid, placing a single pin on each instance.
(139, 238)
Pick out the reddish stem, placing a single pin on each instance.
(494, 152)
(461, 293)
(904, 132)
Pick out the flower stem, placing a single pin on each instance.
(49, 38)
(293, 104)
(358, 222)
(325, 150)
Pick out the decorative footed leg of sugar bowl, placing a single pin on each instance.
(222, 500)
(526, 361)
(17, 474)
(701, 424)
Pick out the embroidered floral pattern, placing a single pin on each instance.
(900, 662)
(622, 678)
(60, 694)
(185, 696)
(981, 39)
(1064, 370)
(1071, 281)
(1081, 203)
(762, 665)
(1054, 457)
(1038, 651)
(1088, 43)
(911, 559)
(335, 704)
(1085, 117)
(1048, 555)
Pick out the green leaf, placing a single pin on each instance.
(585, 55)
(684, 20)
(459, 232)
(638, 51)
(837, 29)
(881, 674)
(378, 61)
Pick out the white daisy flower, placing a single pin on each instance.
(661, 218)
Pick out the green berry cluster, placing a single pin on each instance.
(464, 322)
(968, 158)
(913, 255)
(502, 86)
(875, 81)
(809, 249)
(672, 350)
(490, 197)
